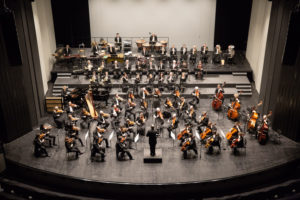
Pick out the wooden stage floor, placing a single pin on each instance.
(173, 170)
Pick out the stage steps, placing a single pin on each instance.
(64, 75)
(243, 89)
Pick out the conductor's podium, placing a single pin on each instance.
(152, 159)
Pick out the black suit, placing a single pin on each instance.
(95, 50)
(151, 39)
(152, 134)
(67, 52)
(183, 54)
(111, 50)
(145, 53)
(118, 41)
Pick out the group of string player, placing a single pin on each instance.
(173, 109)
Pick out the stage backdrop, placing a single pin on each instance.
(184, 21)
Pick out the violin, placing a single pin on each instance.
(177, 93)
(231, 133)
(218, 100)
(185, 145)
(131, 96)
(253, 118)
(169, 103)
(182, 133)
(173, 121)
(58, 111)
(145, 104)
(209, 141)
(100, 130)
(207, 131)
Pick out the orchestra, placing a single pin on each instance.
(148, 71)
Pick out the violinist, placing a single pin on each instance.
(182, 106)
(159, 116)
(183, 52)
(183, 76)
(122, 147)
(176, 94)
(150, 78)
(196, 95)
(116, 112)
(173, 53)
(203, 121)
(45, 130)
(152, 134)
(193, 54)
(116, 70)
(100, 132)
(57, 116)
(185, 133)
(190, 115)
(209, 130)
(85, 116)
(174, 66)
(145, 93)
(71, 107)
(131, 96)
(144, 105)
(189, 143)
(171, 78)
(168, 103)
(118, 100)
(141, 124)
(39, 146)
(98, 147)
(102, 119)
(157, 93)
(129, 109)
(137, 78)
(174, 124)
(106, 78)
(73, 130)
(71, 146)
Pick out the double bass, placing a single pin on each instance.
(218, 99)
(233, 111)
(262, 135)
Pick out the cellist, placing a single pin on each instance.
(218, 98)
(234, 132)
(234, 108)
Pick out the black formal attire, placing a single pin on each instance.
(67, 52)
(203, 123)
(152, 134)
(95, 50)
(153, 39)
(173, 54)
(118, 42)
(145, 53)
(112, 50)
(183, 52)
(193, 56)
(122, 148)
(204, 56)
(39, 147)
(71, 147)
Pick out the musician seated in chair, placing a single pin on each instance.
(173, 53)
(219, 89)
(71, 146)
(190, 115)
(199, 71)
(230, 54)
(145, 52)
(127, 67)
(183, 52)
(122, 148)
(204, 51)
(115, 113)
(45, 130)
(111, 50)
(95, 49)
(217, 54)
(193, 55)
(189, 144)
(98, 147)
(118, 42)
(174, 124)
(72, 129)
(67, 51)
(102, 119)
(39, 146)
(58, 117)
(203, 121)
(129, 108)
(99, 133)
(196, 95)
(125, 78)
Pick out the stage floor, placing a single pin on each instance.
(173, 169)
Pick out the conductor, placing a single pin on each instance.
(152, 134)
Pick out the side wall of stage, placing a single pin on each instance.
(257, 38)
(184, 21)
(43, 21)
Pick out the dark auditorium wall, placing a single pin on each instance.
(21, 99)
(71, 22)
(232, 23)
(281, 73)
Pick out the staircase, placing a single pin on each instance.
(244, 89)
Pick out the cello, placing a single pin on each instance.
(262, 135)
(218, 98)
(253, 118)
(232, 112)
